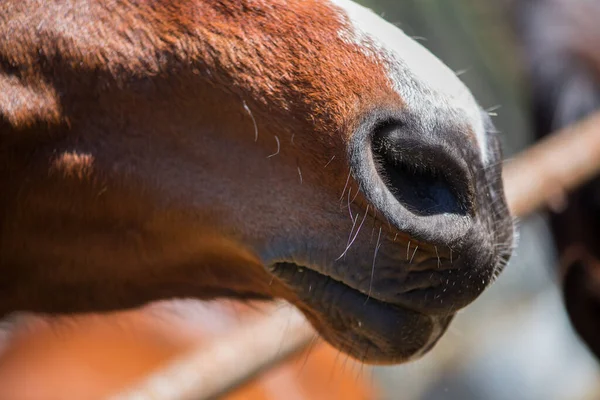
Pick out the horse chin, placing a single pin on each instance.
(367, 329)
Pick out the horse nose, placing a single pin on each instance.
(420, 180)
(421, 174)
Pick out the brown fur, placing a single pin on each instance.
(99, 67)
(284, 63)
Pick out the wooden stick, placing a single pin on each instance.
(233, 359)
(534, 179)
(543, 174)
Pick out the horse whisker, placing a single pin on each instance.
(377, 246)
(253, 120)
(278, 148)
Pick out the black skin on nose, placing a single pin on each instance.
(421, 175)
(420, 180)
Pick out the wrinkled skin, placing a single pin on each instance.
(246, 149)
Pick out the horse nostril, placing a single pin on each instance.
(423, 192)
(423, 177)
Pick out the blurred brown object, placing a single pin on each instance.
(561, 52)
(93, 357)
(543, 175)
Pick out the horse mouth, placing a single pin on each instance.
(368, 329)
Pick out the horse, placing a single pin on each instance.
(562, 64)
(250, 149)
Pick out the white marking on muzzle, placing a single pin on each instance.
(425, 83)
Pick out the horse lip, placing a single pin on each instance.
(368, 329)
(368, 296)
